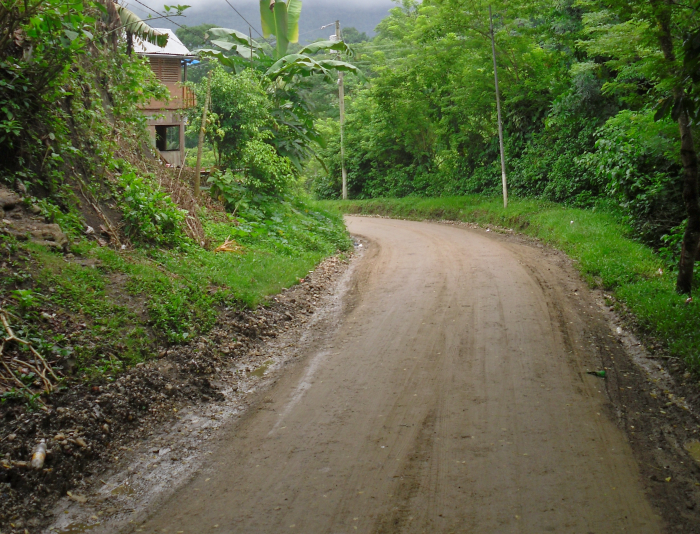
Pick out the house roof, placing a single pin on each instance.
(174, 48)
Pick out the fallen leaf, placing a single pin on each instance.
(77, 498)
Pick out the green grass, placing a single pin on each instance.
(115, 306)
(607, 256)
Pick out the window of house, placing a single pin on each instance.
(166, 69)
(167, 138)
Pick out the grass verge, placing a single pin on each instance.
(607, 256)
(98, 311)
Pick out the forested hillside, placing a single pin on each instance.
(595, 97)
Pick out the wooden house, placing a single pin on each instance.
(167, 120)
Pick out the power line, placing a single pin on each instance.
(159, 14)
(317, 29)
(248, 23)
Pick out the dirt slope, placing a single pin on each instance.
(453, 397)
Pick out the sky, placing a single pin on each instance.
(361, 14)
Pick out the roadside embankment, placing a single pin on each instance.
(606, 254)
(109, 342)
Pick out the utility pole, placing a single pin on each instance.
(202, 128)
(498, 108)
(341, 105)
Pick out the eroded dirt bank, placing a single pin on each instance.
(450, 396)
(154, 417)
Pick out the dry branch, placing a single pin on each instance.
(14, 366)
(229, 246)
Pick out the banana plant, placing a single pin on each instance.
(285, 69)
(295, 133)
(233, 40)
(281, 20)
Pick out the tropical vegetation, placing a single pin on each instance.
(600, 109)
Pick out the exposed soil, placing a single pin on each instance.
(90, 428)
(450, 393)
(23, 222)
(440, 385)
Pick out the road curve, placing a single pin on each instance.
(452, 398)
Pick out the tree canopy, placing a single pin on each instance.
(599, 102)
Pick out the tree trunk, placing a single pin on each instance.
(691, 198)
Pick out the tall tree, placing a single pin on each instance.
(642, 43)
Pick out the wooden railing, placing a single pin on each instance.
(181, 97)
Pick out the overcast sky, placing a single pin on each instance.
(361, 14)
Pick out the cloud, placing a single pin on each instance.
(361, 14)
(201, 5)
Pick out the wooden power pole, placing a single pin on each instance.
(341, 105)
(498, 109)
(202, 129)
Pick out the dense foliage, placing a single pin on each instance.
(69, 90)
(594, 95)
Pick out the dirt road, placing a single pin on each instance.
(452, 397)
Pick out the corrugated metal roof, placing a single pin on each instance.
(174, 48)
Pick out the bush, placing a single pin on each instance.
(266, 172)
(150, 215)
(637, 158)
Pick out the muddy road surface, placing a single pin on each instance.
(451, 397)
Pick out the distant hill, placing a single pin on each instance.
(362, 15)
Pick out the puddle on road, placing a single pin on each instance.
(77, 528)
(693, 448)
(260, 371)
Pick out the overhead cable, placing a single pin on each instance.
(159, 14)
(248, 23)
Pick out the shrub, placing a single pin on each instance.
(150, 215)
(637, 158)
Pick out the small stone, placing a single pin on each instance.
(11, 437)
(81, 442)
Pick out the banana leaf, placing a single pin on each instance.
(267, 19)
(281, 28)
(227, 33)
(133, 24)
(293, 14)
(339, 46)
(302, 65)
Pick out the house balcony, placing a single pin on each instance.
(181, 97)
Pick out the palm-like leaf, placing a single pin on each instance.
(133, 24)
(267, 19)
(226, 61)
(293, 14)
(281, 28)
(301, 65)
(339, 46)
(281, 20)
(229, 34)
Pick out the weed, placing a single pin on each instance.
(26, 298)
(150, 215)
